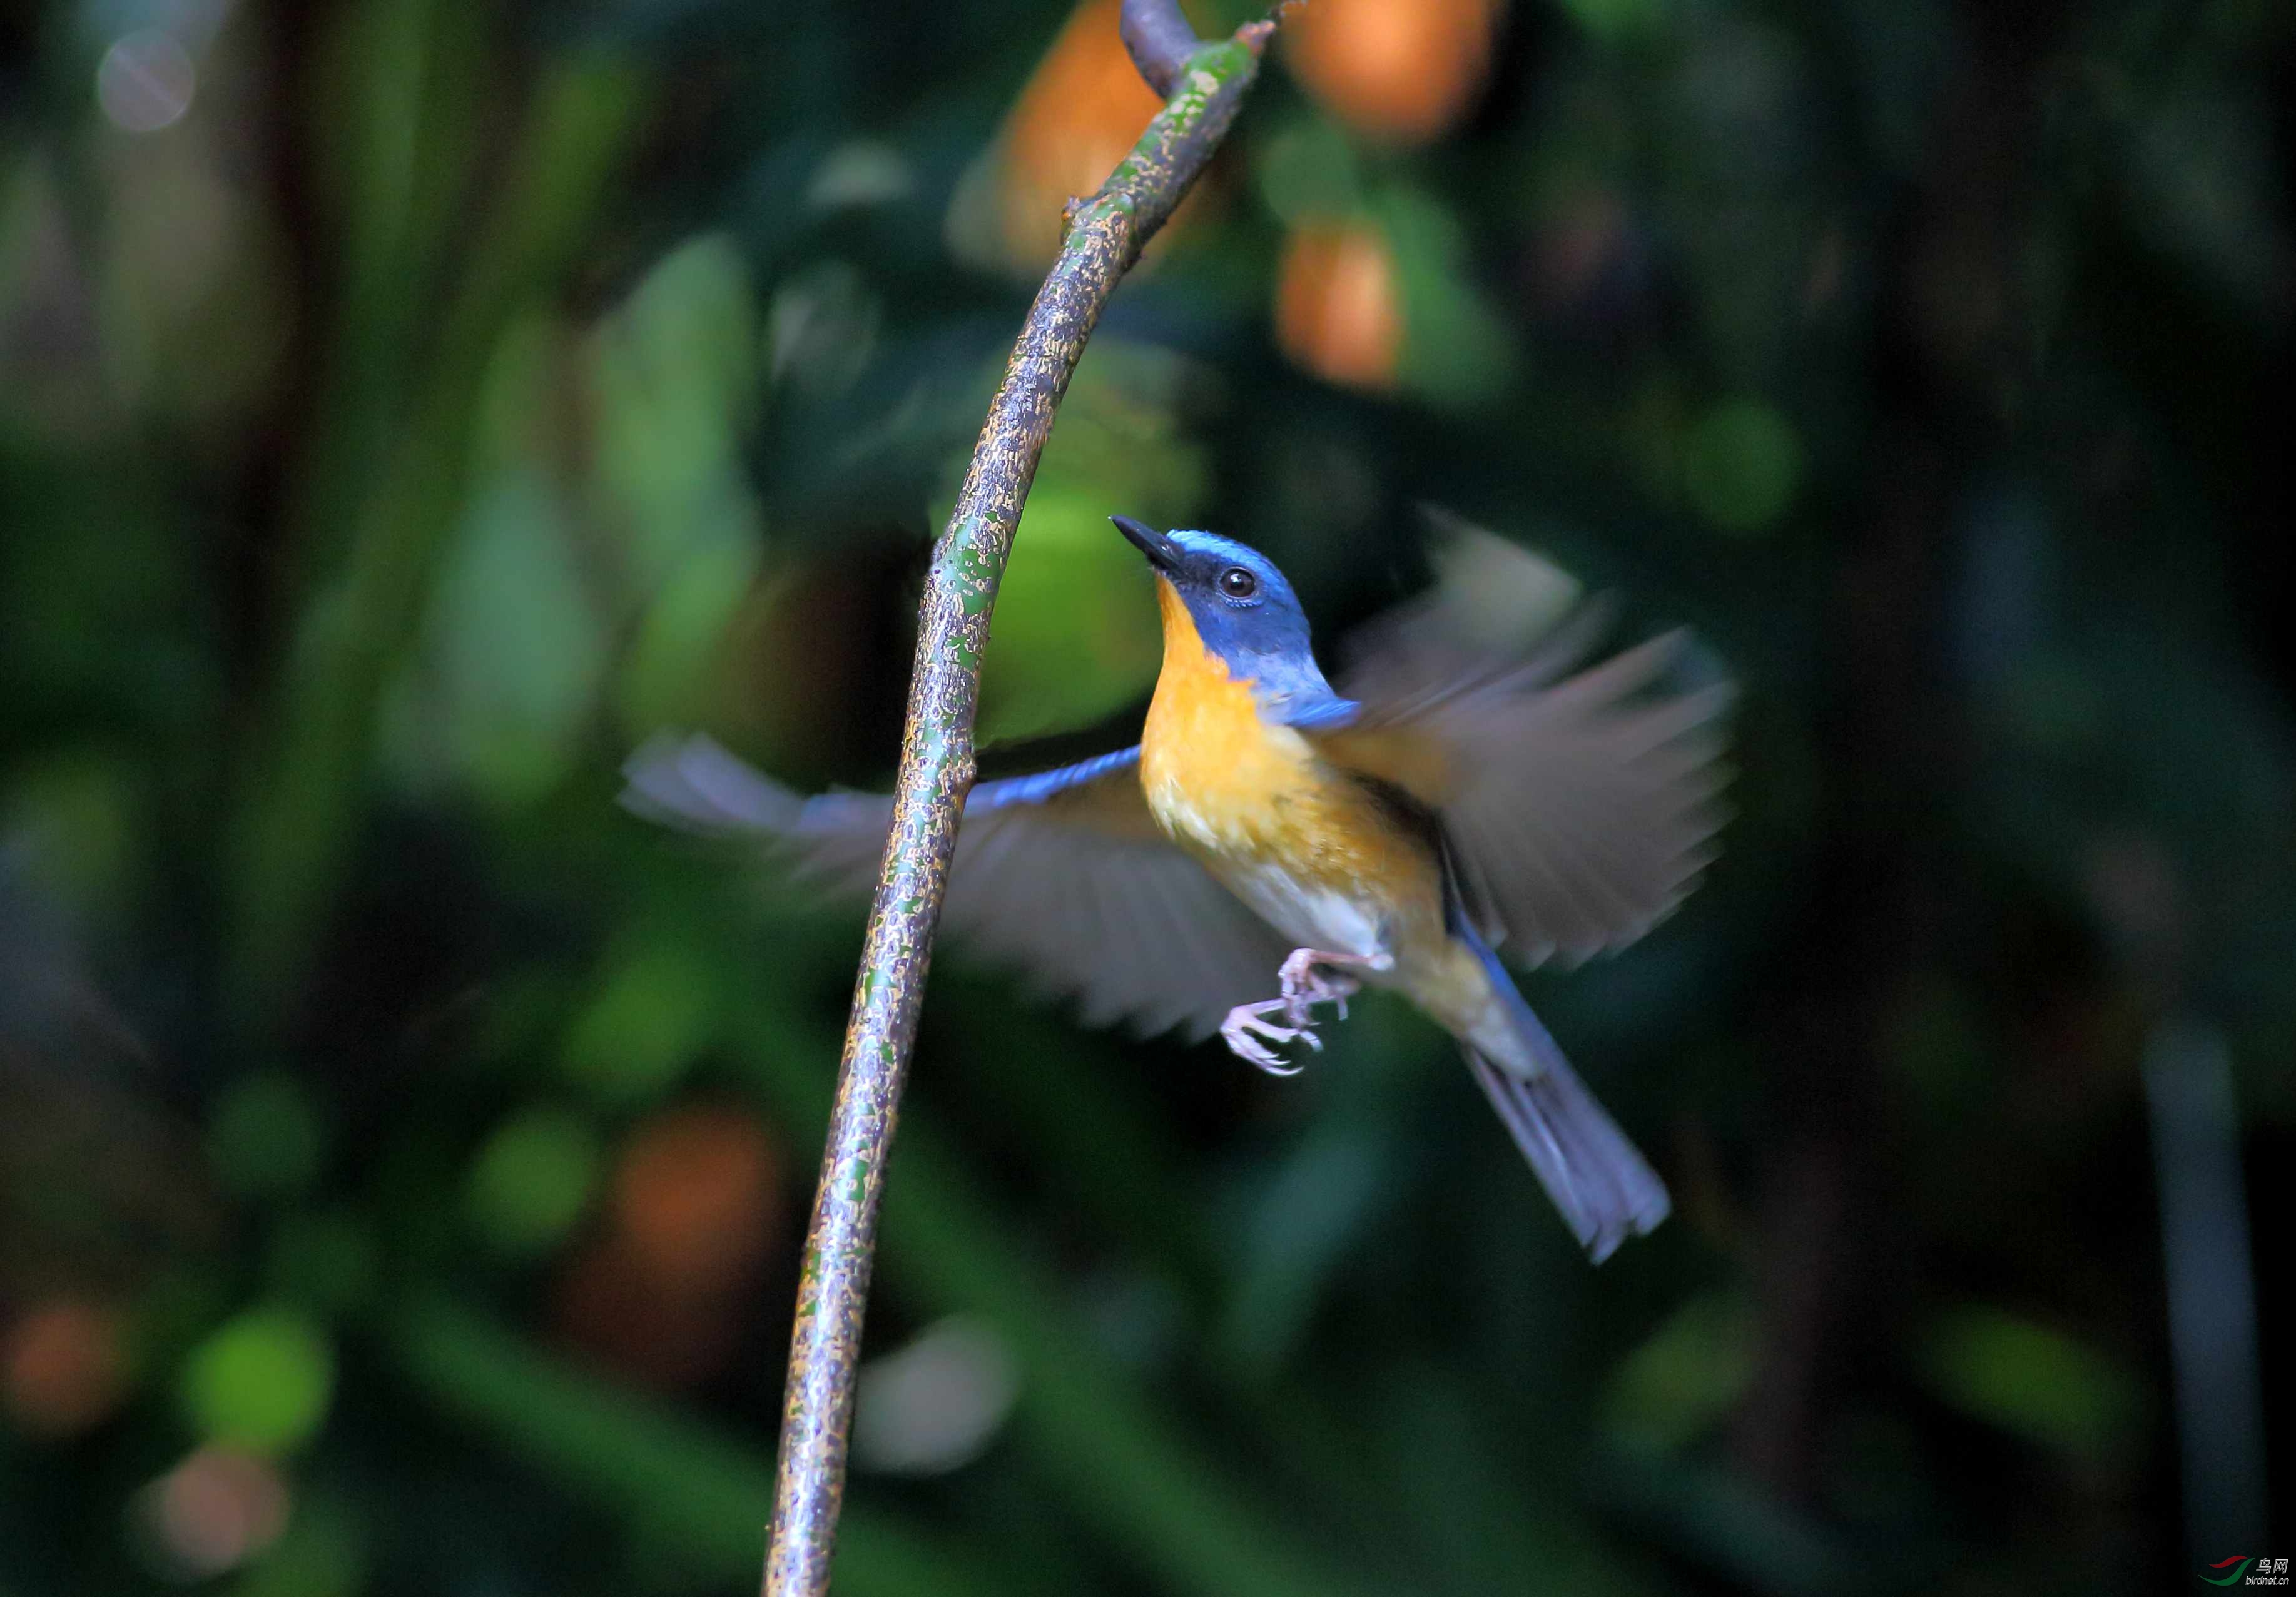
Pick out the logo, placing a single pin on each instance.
(2258, 1571)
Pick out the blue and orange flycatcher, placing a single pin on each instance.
(1267, 827)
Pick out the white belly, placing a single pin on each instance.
(1313, 917)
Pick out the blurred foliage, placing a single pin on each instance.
(406, 408)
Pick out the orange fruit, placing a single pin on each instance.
(1339, 308)
(1405, 70)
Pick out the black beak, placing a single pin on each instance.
(1162, 553)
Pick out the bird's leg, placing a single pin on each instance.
(1244, 1026)
(1304, 984)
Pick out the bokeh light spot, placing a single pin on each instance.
(211, 1513)
(1339, 308)
(145, 81)
(693, 1196)
(532, 1181)
(649, 1022)
(936, 1404)
(1401, 69)
(1082, 110)
(262, 1383)
(63, 1369)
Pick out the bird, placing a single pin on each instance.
(1453, 801)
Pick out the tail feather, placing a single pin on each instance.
(1604, 1188)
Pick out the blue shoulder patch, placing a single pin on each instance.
(1322, 715)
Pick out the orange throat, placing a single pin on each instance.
(1216, 775)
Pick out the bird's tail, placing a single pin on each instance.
(1604, 1188)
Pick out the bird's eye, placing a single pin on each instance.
(1237, 583)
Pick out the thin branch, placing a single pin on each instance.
(1205, 86)
(1159, 41)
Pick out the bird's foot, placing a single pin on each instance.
(1305, 985)
(1244, 1027)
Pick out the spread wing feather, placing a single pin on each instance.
(1062, 876)
(1582, 808)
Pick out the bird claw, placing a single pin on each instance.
(1244, 1020)
(1304, 987)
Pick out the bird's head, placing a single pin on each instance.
(1243, 610)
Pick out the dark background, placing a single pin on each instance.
(405, 407)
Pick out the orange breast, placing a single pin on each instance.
(1216, 775)
(1235, 789)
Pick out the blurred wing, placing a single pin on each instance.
(1581, 808)
(1062, 877)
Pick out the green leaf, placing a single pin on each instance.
(673, 373)
(2034, 1382)
(1456, 352)
(681, 626)
(1691, 1372)
(1076, 636)
(516, 645)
